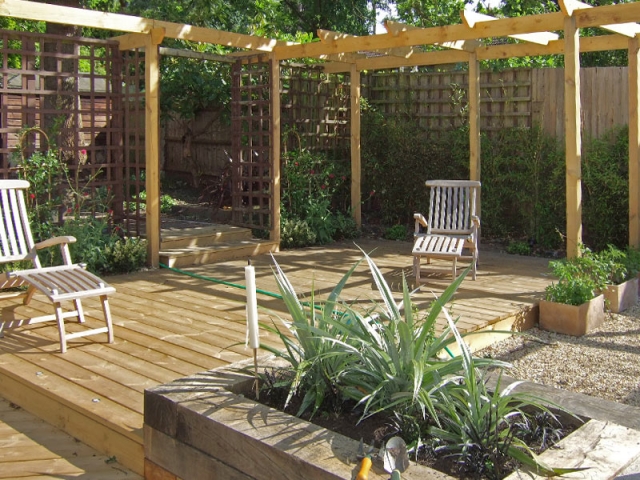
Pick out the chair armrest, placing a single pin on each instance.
(63, 241)
(420, 220)
(476, 220)
(51, 242)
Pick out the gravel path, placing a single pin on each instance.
(604, 363)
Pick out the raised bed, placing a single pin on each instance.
(202, 427)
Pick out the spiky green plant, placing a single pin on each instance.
(312, 343)
(479, 427)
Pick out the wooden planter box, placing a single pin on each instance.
(202, 427)
(621, 297)
(571, 319)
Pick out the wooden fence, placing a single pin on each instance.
(317, 106)
(512, 98)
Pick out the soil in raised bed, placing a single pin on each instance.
(345, 418)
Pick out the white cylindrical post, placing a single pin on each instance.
(253, 335)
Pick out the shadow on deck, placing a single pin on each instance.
(169, 325)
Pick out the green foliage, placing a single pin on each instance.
(396, 232)
(397, 158)
(385, 356)
(519, 248)
(128, 254)
(314, 190)
(346, 227)
(605, 174)
(53, 193)
(579, 279)
(523, 192)
(429, 13)
(295, 233)
(479, 427)
(167, 202)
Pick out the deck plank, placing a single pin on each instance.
(169, 325)
(32, 449)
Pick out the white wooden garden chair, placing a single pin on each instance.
(68, 282)
(450, 230)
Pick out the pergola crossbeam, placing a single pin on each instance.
(395, 28)
(330, 36)
(471, 19)
(628, 29)
(131, 24)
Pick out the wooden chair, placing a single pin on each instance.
(450, 230)
(68, 282)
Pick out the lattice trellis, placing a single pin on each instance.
(252, 123)
(133, 166)
(438, 100)
(72, 89)
(315, 105)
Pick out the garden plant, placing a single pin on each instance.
(315, 193)
(386, 360)
(59, 205)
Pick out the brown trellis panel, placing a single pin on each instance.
(316, 106)
(133, 167)
(70, 88)
(251, 124)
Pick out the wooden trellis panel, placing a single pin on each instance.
(133, 166)
(252, 123)
(316, 106)
(69, 88)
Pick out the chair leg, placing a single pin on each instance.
(61, 330)
(107, 317)
(416, 269)
(79, 310)
(455, 261)
(31, 291)
(475, 267)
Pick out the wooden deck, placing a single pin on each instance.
(169, 325)
(31, 449)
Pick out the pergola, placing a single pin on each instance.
(400, 46)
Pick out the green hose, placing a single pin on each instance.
(243, 287)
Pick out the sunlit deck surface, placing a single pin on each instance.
(169, 325)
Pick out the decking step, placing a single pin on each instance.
(183, 257)
(202, 236)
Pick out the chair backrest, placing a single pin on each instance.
(452, 205)
(16, 241)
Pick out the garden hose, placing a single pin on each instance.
(243, 287)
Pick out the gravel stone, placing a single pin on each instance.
(604, 363)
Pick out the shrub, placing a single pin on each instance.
(397, 232)
(126, 255)
(518, 248)
(295, 233)
(314, 190)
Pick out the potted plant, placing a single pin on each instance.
(574, 305)
(621, 269)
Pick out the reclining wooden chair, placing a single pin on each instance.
(451, 229)
(68, 282)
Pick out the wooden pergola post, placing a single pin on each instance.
(474, 117)
(634, 142)
(152, 143)
(573, 139)
(275, 147)
(356, 163)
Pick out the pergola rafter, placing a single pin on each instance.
(398, 49)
